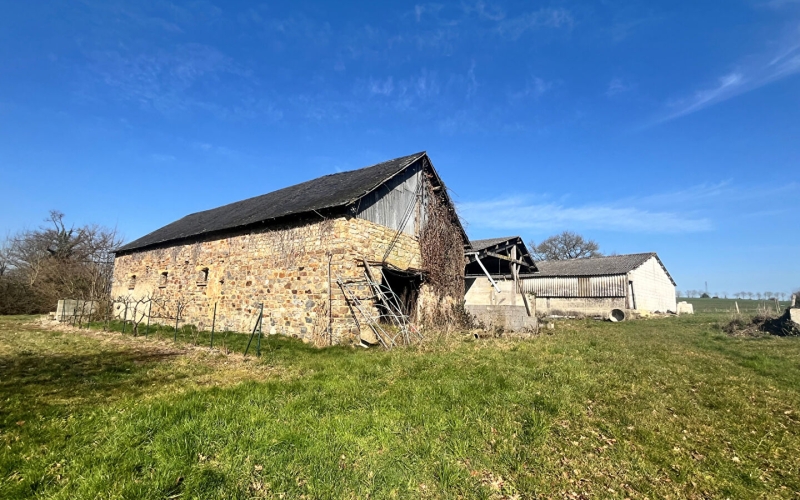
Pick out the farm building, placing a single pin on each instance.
(492, 286)
(595, 286)
(314, 254)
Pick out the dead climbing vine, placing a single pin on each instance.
(442, 250)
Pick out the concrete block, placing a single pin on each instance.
(685, 308)
(504, 317)
(794, 316)
(66, 309)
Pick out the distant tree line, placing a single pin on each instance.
(738, 295)
(55, 261)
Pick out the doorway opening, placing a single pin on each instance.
(405, 287)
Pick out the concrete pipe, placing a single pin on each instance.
(616, 315)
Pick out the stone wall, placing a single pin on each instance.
(504, 310)
(285, 268)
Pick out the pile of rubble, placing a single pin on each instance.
(785, 325)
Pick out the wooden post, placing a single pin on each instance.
(125, 318)
(514, 271)
(149, 310)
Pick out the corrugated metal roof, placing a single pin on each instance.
(596, 266)
(483, 247)
(325, 192)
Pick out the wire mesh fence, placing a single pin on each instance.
(141, 319)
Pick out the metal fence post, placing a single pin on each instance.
(213, 324)
(260, 324)
(255, 327)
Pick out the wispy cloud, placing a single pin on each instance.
(779, 4)
(162, 158)
(403, 93)
(534, 88)
(749, 75)
(515, 27)
(515, 213)
(695, 209)
(381, 87)
(178, 80)
(618, 86)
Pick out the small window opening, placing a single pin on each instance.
(132, 282)
(162, 282)
(202, 276)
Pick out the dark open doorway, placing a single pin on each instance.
(405, 287)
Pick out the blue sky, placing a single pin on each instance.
(648, 126)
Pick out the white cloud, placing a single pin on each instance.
(516, 213)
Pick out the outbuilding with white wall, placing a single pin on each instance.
(594, 286)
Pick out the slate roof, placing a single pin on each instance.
(329, 191)
(478, 245)
(596, 266)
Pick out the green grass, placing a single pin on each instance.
(651, 408)
(746, 306)
(226, 341)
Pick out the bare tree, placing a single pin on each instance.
(3, 258)
(58, 261)
(138, 309)
(567, 245)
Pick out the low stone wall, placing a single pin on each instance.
(66, 309)
(578, 306)
(504, 317)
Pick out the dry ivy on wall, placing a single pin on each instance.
(442, 248)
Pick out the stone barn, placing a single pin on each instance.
(311, 254)
(595, 286)
(493, 292)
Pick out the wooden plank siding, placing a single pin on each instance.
(388, 204)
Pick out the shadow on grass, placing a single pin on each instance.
(33, 383)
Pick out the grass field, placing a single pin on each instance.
(652, 408)
(728, 305)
